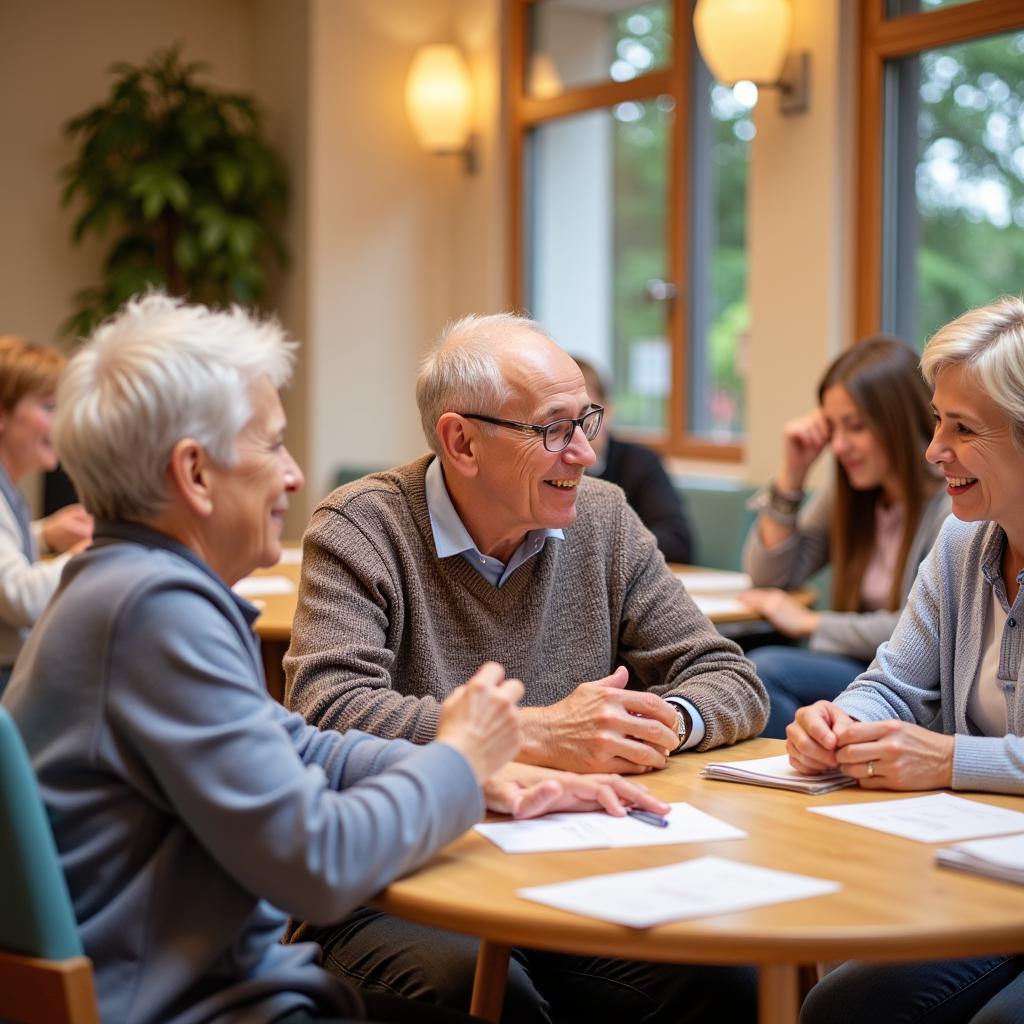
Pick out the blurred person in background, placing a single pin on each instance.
(874, 522)
(639, 472)
(28, 382)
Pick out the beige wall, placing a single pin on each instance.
(55, 60)
(800, 235)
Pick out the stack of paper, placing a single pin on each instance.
(695, 888)
(777, 773)
(997, 858)
(592, 831)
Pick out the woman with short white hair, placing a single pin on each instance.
(942, 705)
(191, 812)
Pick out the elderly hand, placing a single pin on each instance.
(68, 529)
(803, 440)
(601, 727)
(527, 791)
(787, 615)
(480, 720)
(812, 738)
(894, 755)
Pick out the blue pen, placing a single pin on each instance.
(649, 817)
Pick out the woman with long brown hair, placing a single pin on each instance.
(873, 523)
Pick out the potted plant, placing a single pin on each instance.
(181, 179)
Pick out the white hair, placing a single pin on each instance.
(462, 373)
(156, 372)
(989, 343)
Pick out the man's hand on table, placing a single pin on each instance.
(527, 791)
(601, 727)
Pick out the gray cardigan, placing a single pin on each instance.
(791, 563)
(192, 813)
(925, 672)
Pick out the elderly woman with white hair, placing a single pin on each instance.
(190, 811)
(942, 705)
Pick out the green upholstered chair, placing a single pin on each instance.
(720, 518)
(44, 976)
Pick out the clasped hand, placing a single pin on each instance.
(602, 727)
(880, 755)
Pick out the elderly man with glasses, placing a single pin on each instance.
(497, 546)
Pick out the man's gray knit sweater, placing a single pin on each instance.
(385, 629)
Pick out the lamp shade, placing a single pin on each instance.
(439, 98)
(743, 39)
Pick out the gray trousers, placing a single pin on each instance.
(377, 952)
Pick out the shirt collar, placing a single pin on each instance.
(450, 534)
(992, 557)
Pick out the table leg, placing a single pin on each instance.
(489, 980)
(778, 999)
(273, 652)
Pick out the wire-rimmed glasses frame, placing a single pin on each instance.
(557, 434)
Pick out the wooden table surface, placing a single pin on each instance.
(894, 903)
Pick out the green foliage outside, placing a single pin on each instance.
(970, 178)
(969, 197)
(641, 137)
(179, 177)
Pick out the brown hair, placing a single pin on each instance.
(26, 369)
(882, 378)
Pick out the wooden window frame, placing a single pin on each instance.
(524, 113)
(883, 38)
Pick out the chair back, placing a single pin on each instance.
(37, 918)
(44, 976)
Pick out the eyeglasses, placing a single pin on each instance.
(558, 433)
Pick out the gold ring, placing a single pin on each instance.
(871, 769)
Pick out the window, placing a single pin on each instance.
(941, 159)
(628, 190)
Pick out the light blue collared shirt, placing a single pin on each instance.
(452, 538)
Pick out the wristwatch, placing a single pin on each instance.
(684, 725)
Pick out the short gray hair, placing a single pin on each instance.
(462, 373)
(156, 372)
(989, 343)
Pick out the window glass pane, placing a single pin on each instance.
(583, 42)
(955, 194)
(596, 230)
(720, 313)
(894, 8)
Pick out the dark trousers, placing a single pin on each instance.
(981, 990)
(794, 676)
(380, 953)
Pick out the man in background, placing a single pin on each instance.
(639, 472)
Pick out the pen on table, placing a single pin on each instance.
(649, 817)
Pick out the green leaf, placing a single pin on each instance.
(186, 251)
(230, 175)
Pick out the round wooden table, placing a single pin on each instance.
(894, 903)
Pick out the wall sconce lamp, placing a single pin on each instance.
(748, 40)
(439, 101)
